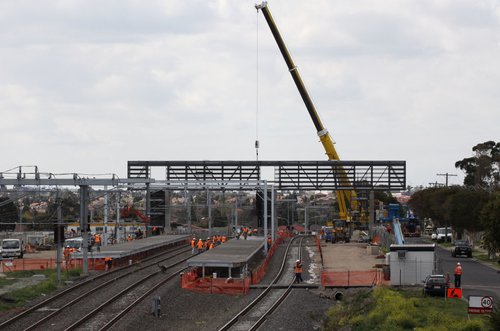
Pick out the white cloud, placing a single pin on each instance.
(87, 85)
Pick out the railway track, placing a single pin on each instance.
(255, 313)
(63, 310)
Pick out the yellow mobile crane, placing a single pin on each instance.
(346, 199)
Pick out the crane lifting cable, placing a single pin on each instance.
(346, 199)
(257, 88)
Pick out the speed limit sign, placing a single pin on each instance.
(480, 304)
(487, 302)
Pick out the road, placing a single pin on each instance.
(477, 278)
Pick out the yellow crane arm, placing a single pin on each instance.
(345, 199)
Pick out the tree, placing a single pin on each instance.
(490, 219)
(430, 203)
(70, 205)
(463, 208)
(483, 168)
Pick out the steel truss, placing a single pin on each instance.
(288, 175)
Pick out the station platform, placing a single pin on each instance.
(133, 250)
(229, 268)
(233, 253)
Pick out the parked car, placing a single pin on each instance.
(436, 285)
(461, 247)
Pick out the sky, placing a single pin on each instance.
(86, 86)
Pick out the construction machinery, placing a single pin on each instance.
(346, 199)
(130, 211)
(338, 232)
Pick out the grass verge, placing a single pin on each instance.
(18, 298)
(389, 309)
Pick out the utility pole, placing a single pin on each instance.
(446, 175)
(446, 184)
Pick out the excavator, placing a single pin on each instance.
(346, 199)
(129, 211)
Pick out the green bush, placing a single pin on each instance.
(495, 318)
(386, 309)
(18, 298)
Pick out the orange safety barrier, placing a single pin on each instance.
(231, 286)
(260, 271)
(318, 244)
(41, 264)
(35, 264)
(351, 278)
(192, 281)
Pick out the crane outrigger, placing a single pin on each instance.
(346, 199)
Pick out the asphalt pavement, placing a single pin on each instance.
(477, 279)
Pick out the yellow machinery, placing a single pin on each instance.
(346, 199)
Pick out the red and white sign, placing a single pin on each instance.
(480, 305)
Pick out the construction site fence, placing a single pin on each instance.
(193, 281)
(351, 278)
(318, 244)
(12, 265)
(233, 286)
(260, 271)
(37, 264)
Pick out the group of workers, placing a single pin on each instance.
(208, 244)
(245, 231)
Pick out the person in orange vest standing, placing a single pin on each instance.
(97, 239)
(211, 245)
(298, 271)
(458, 275)
(193, 245)
(200, 246)
(67, 255)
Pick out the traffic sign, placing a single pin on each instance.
(454, 293)
(480, 304)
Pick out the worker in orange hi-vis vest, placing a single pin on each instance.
(193, 245)
(67, 255)
(108, 261)
(223, 239)
(458, 275)
(200, 245)
(211, 245)
(97, 239)
(298, 271)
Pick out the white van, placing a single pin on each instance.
(12, 248)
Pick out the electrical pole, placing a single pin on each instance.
(446, 175)
(446, 185)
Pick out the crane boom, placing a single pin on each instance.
(344, 198)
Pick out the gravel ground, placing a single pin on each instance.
(185, 310)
